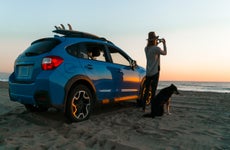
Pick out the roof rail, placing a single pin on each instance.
(73, 33)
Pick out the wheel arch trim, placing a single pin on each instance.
(79, 79)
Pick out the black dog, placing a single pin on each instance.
(162, 98)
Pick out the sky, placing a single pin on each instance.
(197, 32)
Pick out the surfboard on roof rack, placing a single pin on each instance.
(72, 33)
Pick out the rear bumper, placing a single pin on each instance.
(22, 93)
(46, 90)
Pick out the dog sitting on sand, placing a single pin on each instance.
(161, 99)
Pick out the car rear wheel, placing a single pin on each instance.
(79, 103)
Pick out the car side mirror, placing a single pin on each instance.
(133, 64)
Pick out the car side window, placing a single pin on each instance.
(118, 57)
(92, 51)
(95, 51)
(77, 50)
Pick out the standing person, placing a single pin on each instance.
(153, 52)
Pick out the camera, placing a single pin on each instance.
(160, 40)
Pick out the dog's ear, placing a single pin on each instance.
(172, 85)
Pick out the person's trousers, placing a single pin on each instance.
(151, 81)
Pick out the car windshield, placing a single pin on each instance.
(41, 46)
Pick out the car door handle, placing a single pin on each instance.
(89, 66)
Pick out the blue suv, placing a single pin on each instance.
(73, 72)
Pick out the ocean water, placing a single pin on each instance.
(219, 87)
(4, 76)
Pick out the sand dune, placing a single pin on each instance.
(199, 120)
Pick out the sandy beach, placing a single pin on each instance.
(199, 120)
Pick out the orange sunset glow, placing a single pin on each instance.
(196, 38)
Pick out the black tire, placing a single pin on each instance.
(34, 108)
(79, 104)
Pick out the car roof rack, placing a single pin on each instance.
(73, 33)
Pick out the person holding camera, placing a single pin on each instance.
(152, 52)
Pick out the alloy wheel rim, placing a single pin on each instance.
(81, 105)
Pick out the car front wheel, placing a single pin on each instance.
(142, 93)
(79, 103)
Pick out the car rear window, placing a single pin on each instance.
(41, 46)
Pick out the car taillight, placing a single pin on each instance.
(51, 62)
